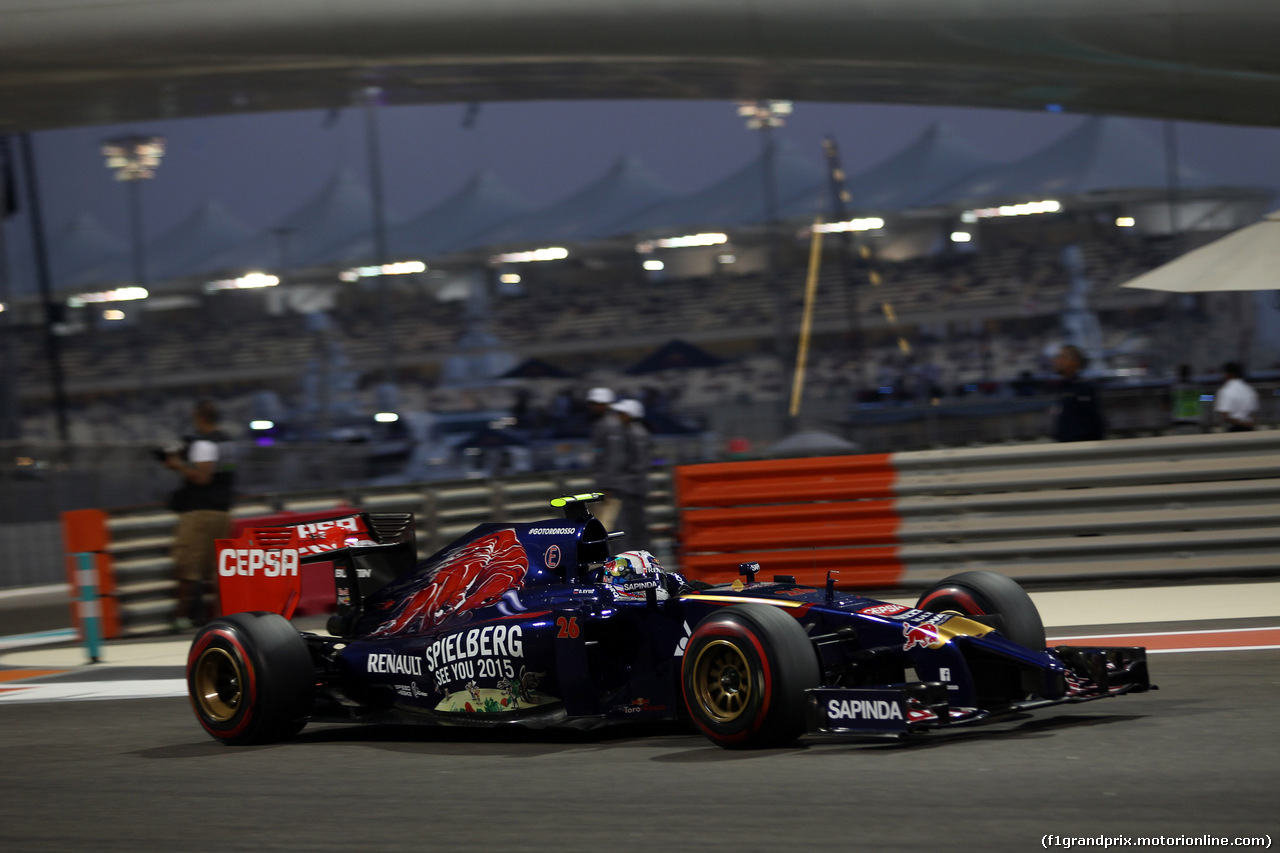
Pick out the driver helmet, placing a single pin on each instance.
(631, 567)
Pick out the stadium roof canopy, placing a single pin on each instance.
(1101, 155)
(319, 230)
(457, 223)
(937, 159)
(193, 246)
(625, 189)
(316, 232)
(737, 199)
(81, 253)
(82, 62)
(1103, 160)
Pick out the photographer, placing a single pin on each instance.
(203, 504)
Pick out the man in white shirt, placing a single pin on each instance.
(1236, 402)
(608, 444)
(203, 504)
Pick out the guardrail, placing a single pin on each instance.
(132, 546)
(1135, 508)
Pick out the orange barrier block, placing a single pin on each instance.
(781, 481)
(873, 522)
(84, 531)
(859, 568)
(799, 517)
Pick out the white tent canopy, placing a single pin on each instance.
(1248, 259)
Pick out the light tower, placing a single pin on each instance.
(764, 116)
(134, 159)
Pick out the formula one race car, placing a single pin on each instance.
(535, 624)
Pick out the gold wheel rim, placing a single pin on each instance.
(218, 684)
(722, 681)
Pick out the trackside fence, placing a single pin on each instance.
(1134, 508)
(1140, 508)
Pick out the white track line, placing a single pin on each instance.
(92, 690)
(26, 591)
(1210, 649)
(1166, 633)
(39, 638)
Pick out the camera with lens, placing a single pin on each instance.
(161, 453)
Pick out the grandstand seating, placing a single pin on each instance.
(229, 345)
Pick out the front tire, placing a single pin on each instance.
(250, 678)
(984, 593)
(744, 674)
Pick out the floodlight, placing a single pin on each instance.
(133, 158)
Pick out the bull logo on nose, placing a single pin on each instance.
(923, 636)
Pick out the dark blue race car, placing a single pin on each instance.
(523, 624)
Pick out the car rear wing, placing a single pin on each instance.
(261, 570)
(364, 566)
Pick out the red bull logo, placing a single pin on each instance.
(474, 575)
(925, 636)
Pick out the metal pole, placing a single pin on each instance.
(840, 199)
(379, 236)
(282, 236)
(135, 233)
(10, 416)
(782, 306)
(1171, 166)
(139, 257)
(1172, 178)
(36, 218)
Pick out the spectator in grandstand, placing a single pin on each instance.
(1236, 402)
(1184, 400)
(521, 408)
(608, 447)
(1024, 385)
(633, 484)
(1077, 416)
(203, 504)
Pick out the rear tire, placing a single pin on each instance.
(983, 593)
(250, 678)
(744, 674)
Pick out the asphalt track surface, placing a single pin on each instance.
(1201, 756)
